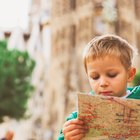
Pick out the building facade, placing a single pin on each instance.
(73, 24)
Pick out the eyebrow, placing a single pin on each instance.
(93, 73)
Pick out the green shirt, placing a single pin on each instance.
(135, 94)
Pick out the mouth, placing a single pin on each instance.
(106, 93)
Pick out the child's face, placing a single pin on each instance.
(107, 76)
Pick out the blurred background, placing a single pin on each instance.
(41, 70)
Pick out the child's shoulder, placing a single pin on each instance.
(134, 89)
(135, 92)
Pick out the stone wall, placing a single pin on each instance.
(73, 24)
(128, 24)
(72, 27)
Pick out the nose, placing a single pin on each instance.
(103, 82)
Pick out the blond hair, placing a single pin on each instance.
(104, 45)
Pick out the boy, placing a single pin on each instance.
(108, 65)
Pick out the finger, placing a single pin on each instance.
(74, 126)
(76, 132)
(74, 121)
(76, 137)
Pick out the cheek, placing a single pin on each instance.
(122, 80)
(119, 80)
(93, 84)
(119, 84)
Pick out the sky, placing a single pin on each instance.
(14, 13)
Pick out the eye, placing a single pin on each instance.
(95, 77)
(112, 75)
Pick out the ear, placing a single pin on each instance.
(131, 74)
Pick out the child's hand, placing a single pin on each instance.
(74, 129)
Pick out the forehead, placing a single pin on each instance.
(104, 63)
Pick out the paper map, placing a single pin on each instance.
(110, 118)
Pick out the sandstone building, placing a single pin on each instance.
(73, 24)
